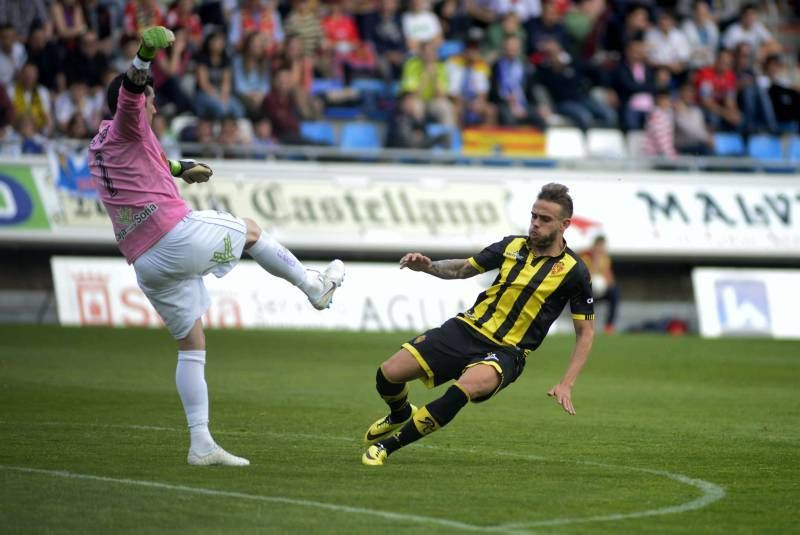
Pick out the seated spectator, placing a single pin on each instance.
(30, 139)
(88, 63)
(128, 46)
(230, 136)
(702, 34)
(169, 67)
(584, 23)
(468, 76)
(511, 82)
(420, 26)
(47, 57)
(24, 14)
(32, 99)
(634, 82)
(691, 132)
(750, 30)
(548, 27)
(262, 133)
(77, 128)
(301, 69)
(141, 14)
(716, 86)
(352, 57)
(785, 99)
(498, 31)
(100, 17)
(634, 25)
(660, 130)
(481, 11)
(305, 22)
(12, 54)
(568, 86)
(426, 76)
(68, 23)
(525, 9)
(281, 109)
(384, 29)
(453, 18)
(251, 73)
(200, 139)
(182, 15)
(407, 126)
(667, 46)
(214, 95)
(256, 16)
(78, 100)
(753, 100)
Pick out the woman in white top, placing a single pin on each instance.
(702, 34)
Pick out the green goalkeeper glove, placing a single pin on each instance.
(154, 38)
(190, 171)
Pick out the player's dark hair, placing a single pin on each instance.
(112, 94)
(557, 193)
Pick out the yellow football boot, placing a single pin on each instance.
(385, 427)
(375, 455)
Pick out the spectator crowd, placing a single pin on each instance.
(252, 71)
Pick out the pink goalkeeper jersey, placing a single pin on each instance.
(133, 179)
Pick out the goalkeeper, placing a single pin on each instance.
(171, 246)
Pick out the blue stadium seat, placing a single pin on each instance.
(728, 144)
(450, 48)
(793, 149)
(369, 85)
(321, 85)
(319, 131)
(360, 136)
(435, 129)
(763, 147)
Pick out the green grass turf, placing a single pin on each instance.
(297, 404)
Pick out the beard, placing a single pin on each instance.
(543, 241)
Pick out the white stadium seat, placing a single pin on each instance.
(565, 142)
(606, 143)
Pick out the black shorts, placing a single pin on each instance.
(447, 351)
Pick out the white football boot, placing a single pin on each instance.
(331, 279)
(216, 456)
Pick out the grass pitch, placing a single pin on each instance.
(672, 435)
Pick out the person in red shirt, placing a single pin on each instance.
(716, 86)
(139, 14)
(350, 53)
(182, 14)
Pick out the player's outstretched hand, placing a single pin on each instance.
(415, 262)
(193, 172)
(153, 39)
(563, 396)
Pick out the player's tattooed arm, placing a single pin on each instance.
(452, 269)
(137, 76)
(444, 269)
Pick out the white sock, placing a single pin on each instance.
(279, 261)
(191, 382)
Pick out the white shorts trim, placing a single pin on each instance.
(171, 272)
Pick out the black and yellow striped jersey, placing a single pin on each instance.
(529, 292)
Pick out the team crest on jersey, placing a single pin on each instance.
(226, 255)
(125, 216)
(558, 267)
(419, 339)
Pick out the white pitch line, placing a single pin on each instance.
(388, 515)
(711, 491)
